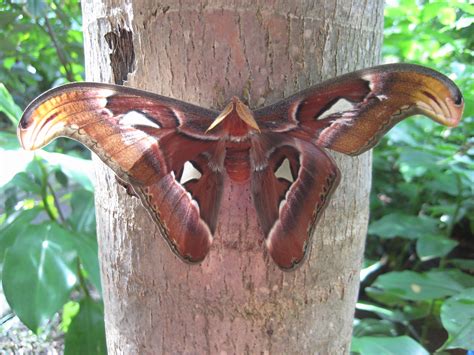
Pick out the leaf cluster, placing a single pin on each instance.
(417, 286)
(40, 46)
(48, 247)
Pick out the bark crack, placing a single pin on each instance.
(122, 56)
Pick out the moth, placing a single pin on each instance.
(176, 157)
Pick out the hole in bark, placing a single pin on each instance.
(122, 57)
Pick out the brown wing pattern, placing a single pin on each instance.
(163, 149)
(351, 113)
(148, 141)
(290, 195)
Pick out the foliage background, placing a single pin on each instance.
(417, 288)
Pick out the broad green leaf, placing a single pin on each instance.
(404, 226)
(88, 253)
(434, 246)
(14, 227)
(431, 10)
(387, 346)
(465, 264)
(77, 169)
(384, 297)
(26, 183)
(373, 327)
(8, 106)
(430, 285)
(457, 316)
(447, 16)
(382, 312)
(445, 183)
(86, 334)
(39, 273)
(8, 141)
(414, 163)
(37, 169)
(418, 310)
(466, 7)
(61, 177)
(82, 218)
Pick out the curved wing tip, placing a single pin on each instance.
(20, 133)
(289, 263)
(455, 106)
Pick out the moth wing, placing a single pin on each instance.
(350, 113)
(155, 144)
(290, 194)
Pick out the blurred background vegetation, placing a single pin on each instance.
(417, 284)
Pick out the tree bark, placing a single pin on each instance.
(237, 300)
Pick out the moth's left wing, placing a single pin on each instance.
(154, 143)
(290, 190)
(350, 113)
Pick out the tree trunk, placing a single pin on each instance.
(237, 300)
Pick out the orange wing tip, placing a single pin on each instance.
(448, 114)
(456, 111)
(24, 134)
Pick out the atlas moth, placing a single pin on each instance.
(177, 157)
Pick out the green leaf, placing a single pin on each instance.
(373, 327)
(77, 169)
(431, 10)
(404, 226)
(414, 163)
(8, 141)
(86, 334)
(417, 310)
(457, 316)
(88, 254)
(447, 16)
(434, 246)
(82, 218)
(26, 183)
(387, 346)
(465, 264)
(14, 226)
(8, 106)
(39, 273)
(61, 177)
(382, 296)
(382, 312)
(413, 286)
(445, 183)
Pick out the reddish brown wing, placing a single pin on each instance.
(154, 143)
(351, 113)
(290, 193)
(348, 114)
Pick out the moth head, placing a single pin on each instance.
(236, 109)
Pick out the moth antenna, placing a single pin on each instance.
(227, 110)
